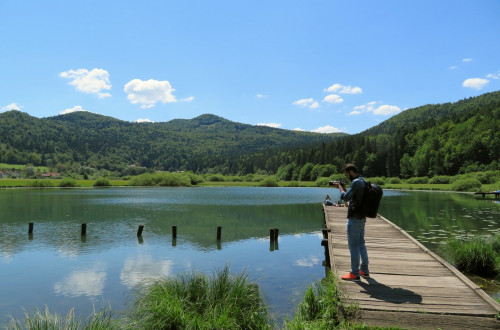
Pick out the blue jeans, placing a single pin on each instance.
(357, 247)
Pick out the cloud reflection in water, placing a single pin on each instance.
(140, 268)
(89, 282)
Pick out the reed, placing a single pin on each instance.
(196, 301)
(478, 255)
(324, 306)
(47, 320)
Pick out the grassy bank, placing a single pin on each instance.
(48, 183)
(188, 301)
(197, 301)
(471, 182)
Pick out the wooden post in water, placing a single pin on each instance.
(139, 231)
(276, 234)
(30, 228)
(219, 230)
(271, 240)
(84, 229)
(174, 232)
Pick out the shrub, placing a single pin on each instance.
(440, 179)
(394, 180)
(293, 183)
(270, 181)
(102, 182)
(466, 185)
(195, 301)
(377, 180)
(40, 184)
(195, 179)
(161, 179)
(418, 180)
(68, 182)
(215, 178)
(488, 177)
(322, 182)
(475, 255)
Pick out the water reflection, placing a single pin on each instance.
(83, 282)
(110, 259)
(138, 269)
(307, 262)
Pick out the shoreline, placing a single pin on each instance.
(88, 184)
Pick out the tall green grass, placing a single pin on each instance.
(49, 321)
(478, 255)
(324, 306)
(195, 301)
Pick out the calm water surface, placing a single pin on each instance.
(58, 268)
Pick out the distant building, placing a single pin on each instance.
(50, 175)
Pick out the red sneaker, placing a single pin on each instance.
(362, 273)
(350, 277)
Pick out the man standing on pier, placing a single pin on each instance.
(355, 222)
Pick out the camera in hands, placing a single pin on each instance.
(341, 182)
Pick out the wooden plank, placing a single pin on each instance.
(427, 321)
(405, 275)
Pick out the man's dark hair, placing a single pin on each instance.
(349, 167)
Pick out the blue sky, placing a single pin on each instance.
(321, 66)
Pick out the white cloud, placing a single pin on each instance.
(90, 82)
(315, 105)
(274, 125)
(298, 129)
(341, 89)
(261, 96)
(475, 83)
(304, 102)
(12, 106)
(333, 98)
(383, 110)
(386, 110)
(467, 60)
(326, 129)
(310, 103)
(148, 93)
(494, 75)
(74, 109)
(453, 67)
(366, 107)
(188, 99)
(145, 120)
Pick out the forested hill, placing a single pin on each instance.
(439, 139)
(98, 141)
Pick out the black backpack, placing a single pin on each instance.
(371, 200)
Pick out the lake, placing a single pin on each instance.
(58, 268)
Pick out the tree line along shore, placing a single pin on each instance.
(486, 181)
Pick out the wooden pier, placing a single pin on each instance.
(409, 285)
